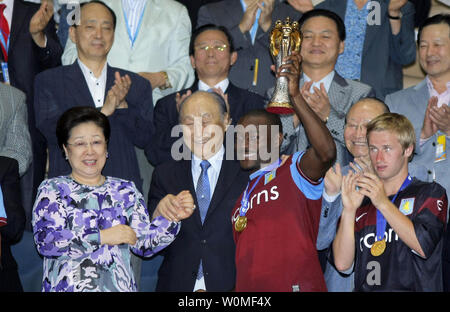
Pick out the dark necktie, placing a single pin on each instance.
(203, 192)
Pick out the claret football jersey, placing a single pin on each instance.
(277, 249)
(399, 268)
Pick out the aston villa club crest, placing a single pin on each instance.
(269, 176)
(407, 206)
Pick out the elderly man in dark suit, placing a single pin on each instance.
(202, 255)
(249, 23)
(212, 55)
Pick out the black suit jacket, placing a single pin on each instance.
(213, 241)
(12, 232)
(166, 115)
(64, 87)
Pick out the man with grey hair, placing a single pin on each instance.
(202, 256)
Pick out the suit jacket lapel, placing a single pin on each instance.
(421, 96)
(184, 176)
(337, 93)
(18, 21)
(76, 85)
(226, 177)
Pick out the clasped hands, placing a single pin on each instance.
(175, 207)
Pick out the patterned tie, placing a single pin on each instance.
(203, 192)
(4, 27)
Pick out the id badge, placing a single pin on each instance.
(441, 150)
(5, 73)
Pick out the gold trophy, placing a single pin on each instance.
(284, 39)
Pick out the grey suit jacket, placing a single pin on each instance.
(15, 141)
(412, 103)
(343, 93)
(383, 53)
(229, 14)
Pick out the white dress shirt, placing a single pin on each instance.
(213, 176)
(96, 85)
(223, 85)
(327, 80)
(134, 10)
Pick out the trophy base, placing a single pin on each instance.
(280, 108)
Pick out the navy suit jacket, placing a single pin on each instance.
(65, 87)
(166, 115)
(213, 241)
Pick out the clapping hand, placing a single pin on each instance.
(395, 6)
(302, 6)
(317, 101)
(333, 180)
(351, 198)
(265, 19)
(39, 21)
(117, 94)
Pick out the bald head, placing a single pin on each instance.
(359, 115)
(211, 99)
(204, 119)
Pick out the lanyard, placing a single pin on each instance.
(4, 44)
(244, 201)
(381, 221)
(134, 37)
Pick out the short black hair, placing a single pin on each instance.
(206, 27)
(114, 17)
(433, 20)
(325, 13)
(271, 118)
(79, 115)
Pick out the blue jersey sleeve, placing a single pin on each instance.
(312, 190)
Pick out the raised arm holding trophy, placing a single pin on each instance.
(284, 39)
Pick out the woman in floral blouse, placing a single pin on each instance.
(86, 224)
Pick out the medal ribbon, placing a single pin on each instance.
(381, 221)
(244, 201)
(134, 37)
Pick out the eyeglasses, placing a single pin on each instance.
(217, 47)
(82, 145)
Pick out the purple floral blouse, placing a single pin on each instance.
(67, 219)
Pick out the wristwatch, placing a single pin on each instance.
(395, 17)
(166, 78)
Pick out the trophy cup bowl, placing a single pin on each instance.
(284, 39)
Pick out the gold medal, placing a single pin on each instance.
(378, 248)
(241, 224)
